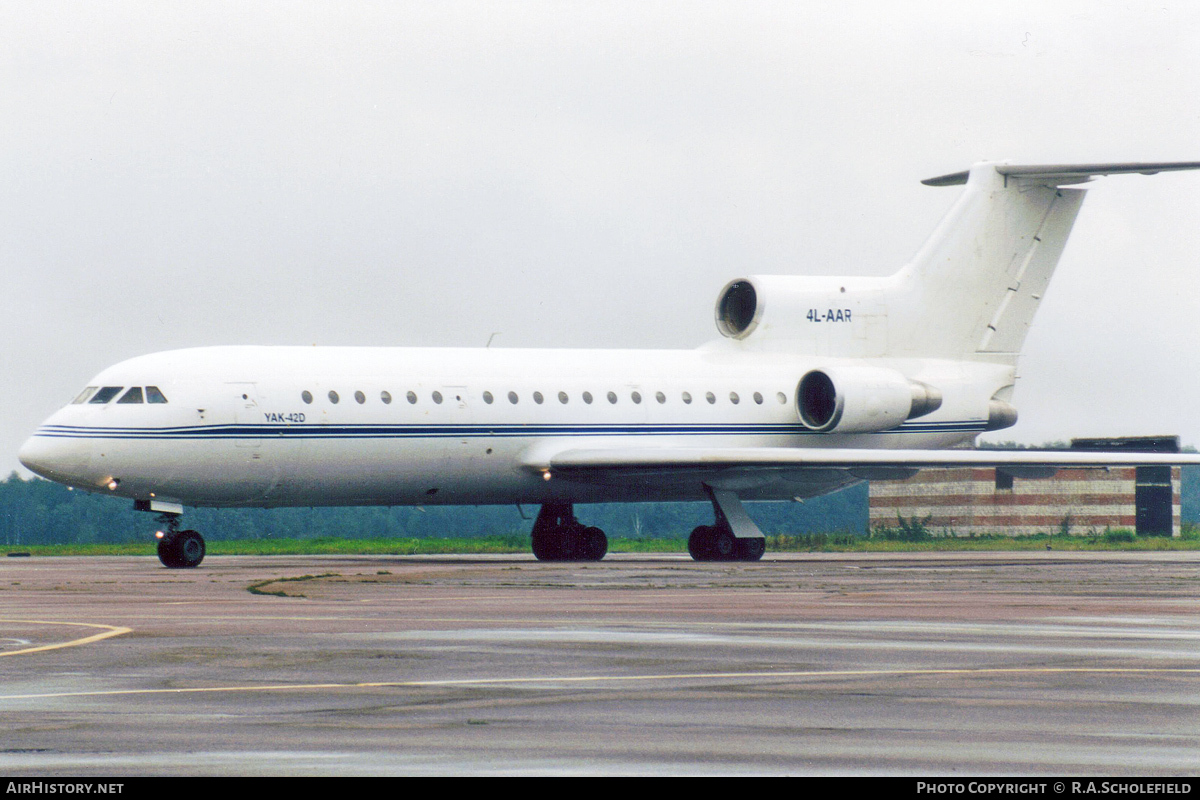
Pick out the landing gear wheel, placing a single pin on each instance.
(595, 544)
(166, 553)
(751, 549)
(724, 545)
(190, 547)
(184, 550)
(558, 536)
(545, 546)
(700, 543)
(716, 543)
(571, 543)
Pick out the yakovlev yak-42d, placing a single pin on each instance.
(816, 383)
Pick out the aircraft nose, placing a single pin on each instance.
(59, 459)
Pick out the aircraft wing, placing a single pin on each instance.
(622, 465)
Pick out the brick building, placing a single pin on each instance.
(975, 500)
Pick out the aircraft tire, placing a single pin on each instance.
(700, 543)
(595, 544)
(166, 554)
(188, 548)
(572, 543)
(751, 549)
(724, 545)
(545, 546)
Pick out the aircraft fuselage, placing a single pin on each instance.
(298, 426)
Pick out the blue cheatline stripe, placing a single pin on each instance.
(458, 431)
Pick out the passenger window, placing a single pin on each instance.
(733, 398)
(637, 398)
(612, 397)
(660, 397)
(153, 395)
(758, 398)
(360, 398)
(412, 398)
(386, 397)
(537, 398)
(487, 398)
(84, 395)
(587, 398)
(306, 396)
(437, 397)
(106, 394)
(781, 397)
(333, 397)
(512, 398)
(687, 398)
(134, 395)
(562, 398)
(710, 397)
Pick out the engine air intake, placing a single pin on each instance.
(737, 309)
(817, 399)
(857, 399)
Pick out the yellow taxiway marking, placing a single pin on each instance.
(107, 631)
(582, 679)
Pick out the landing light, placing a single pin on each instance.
(545, 474)
(114, 483)
(160, 535)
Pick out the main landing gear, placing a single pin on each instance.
(178, 549)
(558, 536)
(734, 536)
(717, 543)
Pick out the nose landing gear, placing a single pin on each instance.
(178, 549)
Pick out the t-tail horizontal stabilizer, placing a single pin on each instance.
(1066, 174)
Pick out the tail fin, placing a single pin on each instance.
(974, 287)
(970, 292)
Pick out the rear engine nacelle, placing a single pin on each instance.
(854, 399)
(801, 306)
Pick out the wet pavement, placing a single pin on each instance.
(919, 664)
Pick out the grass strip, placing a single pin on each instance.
(823, 543)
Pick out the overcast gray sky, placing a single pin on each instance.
(574, 174)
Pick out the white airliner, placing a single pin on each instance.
(816, 383)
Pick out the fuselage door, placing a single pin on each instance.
(247, 415)
(256, 471)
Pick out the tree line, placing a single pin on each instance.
(35, 511)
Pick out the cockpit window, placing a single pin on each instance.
(84, 395)
(134, 395)
(106, 394)
(153, 395)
